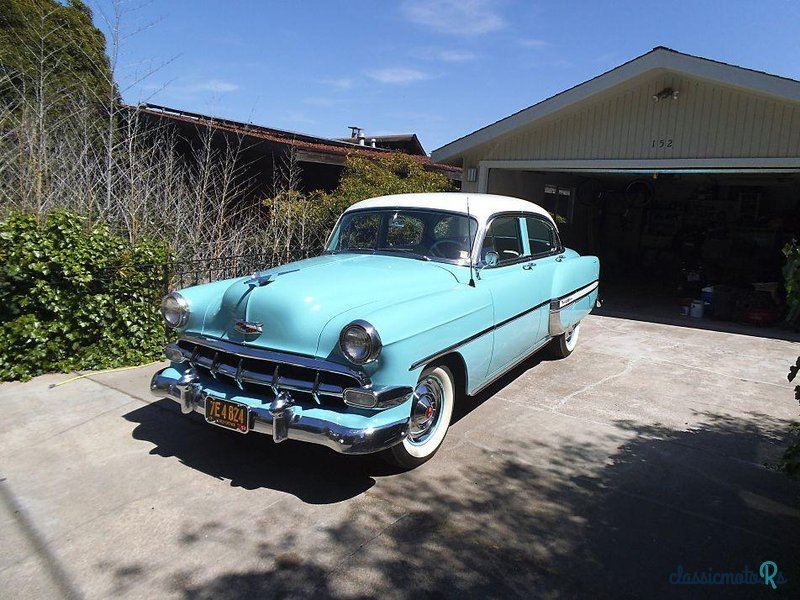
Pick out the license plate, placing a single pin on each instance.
(230, 415)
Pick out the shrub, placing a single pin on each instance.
(69, 299)
(791, 278)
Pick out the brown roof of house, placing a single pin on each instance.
(289, 138)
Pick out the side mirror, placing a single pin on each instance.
(490, 260)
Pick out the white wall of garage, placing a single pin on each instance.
(716, 122)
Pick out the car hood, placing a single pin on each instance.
(300, 298)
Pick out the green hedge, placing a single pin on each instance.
(70, 299)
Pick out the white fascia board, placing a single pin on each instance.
(666, 165)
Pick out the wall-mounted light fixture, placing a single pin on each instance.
(664, 94)
(472, 174)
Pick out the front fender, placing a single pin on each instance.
(421, 327)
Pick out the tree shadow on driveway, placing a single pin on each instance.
(614, 516)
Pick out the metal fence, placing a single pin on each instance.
(197, 271)
(174, 275)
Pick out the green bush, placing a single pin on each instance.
(70, 300)
(364, 178)
(791, 278)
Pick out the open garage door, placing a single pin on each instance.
(668, 239)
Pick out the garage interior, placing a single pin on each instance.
(668, 239)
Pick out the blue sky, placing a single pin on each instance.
(439, 68)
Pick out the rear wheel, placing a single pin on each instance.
(431, 412)
(563, 345)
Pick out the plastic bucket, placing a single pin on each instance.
(696, 309)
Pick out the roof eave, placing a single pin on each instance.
(658, 58)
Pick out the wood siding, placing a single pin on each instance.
(707, 121)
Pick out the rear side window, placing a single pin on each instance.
(504, 238)
(541, 236)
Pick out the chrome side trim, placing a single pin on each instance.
(564, 301)
(472, 338)
(555, 326)
(509, 367)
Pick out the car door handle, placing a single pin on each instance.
(528, 266)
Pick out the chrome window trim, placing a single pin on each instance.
(481, 238)
(559, 247)
(500, 262)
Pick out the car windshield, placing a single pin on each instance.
(421, 234)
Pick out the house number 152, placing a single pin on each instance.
(662, 143)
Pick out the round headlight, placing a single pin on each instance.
(175, 310)
(359, 342)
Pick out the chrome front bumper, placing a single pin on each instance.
(284, 419)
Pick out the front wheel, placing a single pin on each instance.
(431, 412)
(563, 345)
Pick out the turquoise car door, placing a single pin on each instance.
(544, 249)
(511, 283)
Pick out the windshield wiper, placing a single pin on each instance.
(413, 254)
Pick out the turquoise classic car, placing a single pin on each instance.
(417, 301)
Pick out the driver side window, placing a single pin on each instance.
(504, 238)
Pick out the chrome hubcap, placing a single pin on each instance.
(427, 407)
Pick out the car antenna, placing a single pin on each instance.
(469, 233)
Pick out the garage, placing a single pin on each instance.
(681, 173)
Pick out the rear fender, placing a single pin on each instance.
(574, 291)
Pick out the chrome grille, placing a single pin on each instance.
(247, 366)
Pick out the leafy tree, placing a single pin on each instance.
(364, 178)
(393, 174)
(299, 223)
(47, 47)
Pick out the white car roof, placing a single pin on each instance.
(481, 206)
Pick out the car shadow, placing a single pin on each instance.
(313, 473)
(469, 403)
(255, 461)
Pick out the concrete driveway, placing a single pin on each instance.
(599, 475)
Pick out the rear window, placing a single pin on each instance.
(504, 238)
(541, 236)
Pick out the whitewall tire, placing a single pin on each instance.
(563, 345)
(431, 412)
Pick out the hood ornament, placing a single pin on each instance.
(259, 279)
(249, 327)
